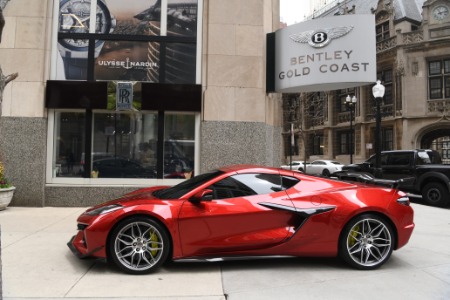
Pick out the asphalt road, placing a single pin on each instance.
(38, 265)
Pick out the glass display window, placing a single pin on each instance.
(69, 143)
(179, 145)
(124, 145)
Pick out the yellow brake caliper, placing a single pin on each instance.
(352, 236)
(154, 244)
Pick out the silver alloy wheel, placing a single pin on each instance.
(138, 246)
(369, 242)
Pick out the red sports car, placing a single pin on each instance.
(247, 210)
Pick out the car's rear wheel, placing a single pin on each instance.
(326, 173)
(367, 242)
(139, 245)
(436, 194)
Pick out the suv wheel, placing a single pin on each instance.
(436, 194)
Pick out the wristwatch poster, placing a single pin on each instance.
(75, 17)
(127, 58)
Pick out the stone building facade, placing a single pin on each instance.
(52, 142)
(413, 63)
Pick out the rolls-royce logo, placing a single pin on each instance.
(322, 37)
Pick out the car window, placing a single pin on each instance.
(336, 163)
(288, 182)
(399, 159)
(241, 185)
(423, 158)
(184, 187)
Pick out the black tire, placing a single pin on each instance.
(143, 243)
(436, 194)
(326, 173)
(367, 242)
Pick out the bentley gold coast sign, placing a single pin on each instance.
(325, 54)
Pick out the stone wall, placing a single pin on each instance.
(23, 150)
(227, 143)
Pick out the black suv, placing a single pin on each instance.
(431, 177)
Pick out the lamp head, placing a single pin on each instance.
(350, 100)
(378, 90)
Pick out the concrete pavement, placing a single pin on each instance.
(37, 264)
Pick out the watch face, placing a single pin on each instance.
(440, 12)
(75, 17)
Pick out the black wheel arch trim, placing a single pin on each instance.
(435, 177)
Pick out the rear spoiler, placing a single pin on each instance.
(370, 179)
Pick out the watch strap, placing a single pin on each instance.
(75, 68)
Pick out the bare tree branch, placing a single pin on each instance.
(3, 3)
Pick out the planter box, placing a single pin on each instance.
(6, 197)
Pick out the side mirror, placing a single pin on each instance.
(203, 195)
(367, 165)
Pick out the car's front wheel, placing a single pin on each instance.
(367, 242)
(139, 245)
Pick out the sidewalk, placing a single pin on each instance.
(36, 263)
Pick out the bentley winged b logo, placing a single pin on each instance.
(322, 37)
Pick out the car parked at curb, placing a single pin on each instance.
(431, 177)
(324, 167)
(246, 210)
(295, 165)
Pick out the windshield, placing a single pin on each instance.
(181, 189)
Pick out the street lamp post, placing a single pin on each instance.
(351, 102)
(378, 93)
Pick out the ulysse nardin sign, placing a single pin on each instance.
(325, 54)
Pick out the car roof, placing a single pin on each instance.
(248, 168)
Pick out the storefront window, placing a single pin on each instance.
(126, 67)
(179, 135)
(124, 145)
(69, 144)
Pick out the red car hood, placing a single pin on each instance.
(131, 198)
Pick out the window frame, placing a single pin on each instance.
(136, 182)
(438, 78)
(345, 145)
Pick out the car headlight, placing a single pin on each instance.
(104, 210)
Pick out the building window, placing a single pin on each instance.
(382, 31)
(179, 141)
(342, 95)
(439, 79)
(317, 145)
(124, 145)
(386, 77)
(346, 142)
(387, 139)
(69, 144)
